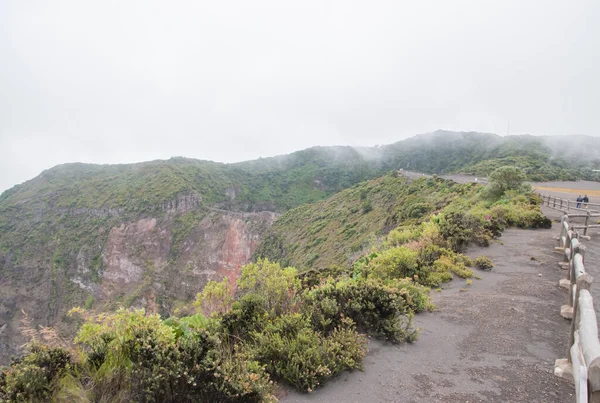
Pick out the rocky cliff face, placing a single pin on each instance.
(159, 262)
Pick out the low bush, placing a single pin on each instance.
(507, 179)
(380, 308)
(400, 236)
(418, 210)
(394, 263)
(484, 263)
(519, 215)
(139, 357)
(293, 351)
(277, 285)
(461, 228)
(452, 264)
(34, 377)
(216, 297)
(247, 315)
(313, 277)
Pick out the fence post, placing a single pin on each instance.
(583, 283)
(586, 223)
(567, 311)
(579, 370)
(590, 346)
(564, 233)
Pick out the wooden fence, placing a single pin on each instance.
(570, 208)
(583, 355)
(568, 205)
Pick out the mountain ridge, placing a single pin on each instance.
(371, 152)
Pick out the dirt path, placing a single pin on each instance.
(495, 342)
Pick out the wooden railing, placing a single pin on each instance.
(570, 208)
(583, 356)
(568, 205)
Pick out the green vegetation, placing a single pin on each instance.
(425, 246)
(300, 329)
(32, 378)
(507, 179)
(275, 330)
(484, 263)
(331, 232)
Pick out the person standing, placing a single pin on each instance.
(579, 200)
(585, 201)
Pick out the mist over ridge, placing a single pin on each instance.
(581, 149)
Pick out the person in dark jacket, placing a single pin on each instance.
(585, 201)
(579, 200)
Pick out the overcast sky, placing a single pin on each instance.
(126, 81)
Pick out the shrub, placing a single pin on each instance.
(393, 263)
(449, 264)
(506, 213)
(278, 286)
(430, 230)
(460, 228)
(34, 377)
(464, 259)
(313, 277)
(247, 315)
(400, 236)
(347, 346)
(215, 297)
(294, 352)
(437, 264)
(506, 178)
(435, 279)
(484, 263)
(418, 210)
(133, 356)
(367, 206)
(239, 378)
(381, 309)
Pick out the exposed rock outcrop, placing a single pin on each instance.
(134, 262)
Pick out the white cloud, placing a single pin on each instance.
(129, 81)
